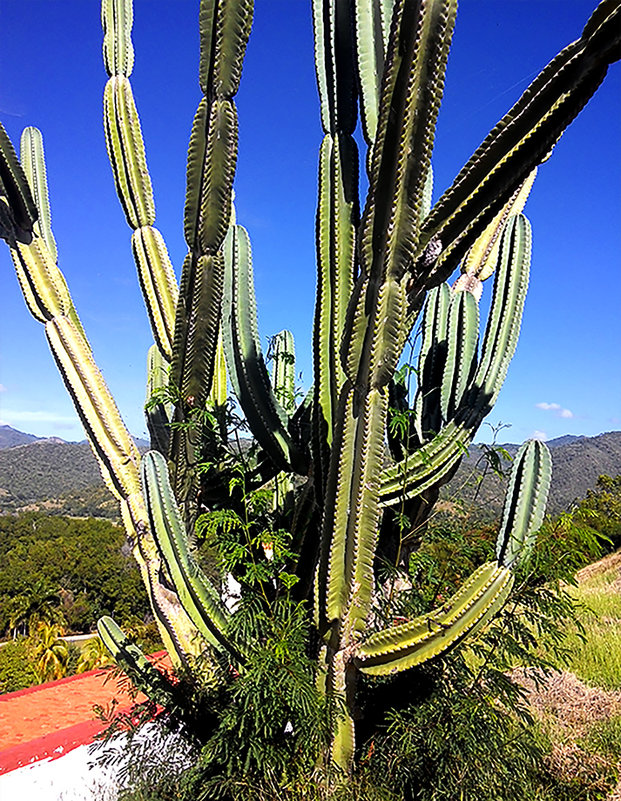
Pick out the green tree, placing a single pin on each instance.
(94, 654)
(37, 603)
(82, 565)
(17, 665)
(601, 508)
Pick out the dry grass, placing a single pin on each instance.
(568, 709)
(580, 707)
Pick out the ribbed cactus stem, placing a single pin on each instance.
(342, 495)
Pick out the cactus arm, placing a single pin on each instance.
(41, 282)
(525, 502)
(282, 353)
(435, 459)
(401, 647)
(354, 515)
(199, 598)
(18, 211)
(131, 176)
(196, 327)
(212, 158)
(481, 259)
(461, 353)
(143, 675)
(33, 162)
(505, 316)
(218, 394)
(95, 406)
(400, 161)
(118, 460)
(158, 415)
(426, 466)
(372, 20)
(224, 33)
(117, 17)
(283, 369)
(523, 138)
(126, 150)
(249, 377)
(47, 297)
(158, 284)
(37, 262)
(431, 362)
(410, 100)
(337, 216)
(334, 65)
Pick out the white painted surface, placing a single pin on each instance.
(67, 778)
(78, 776)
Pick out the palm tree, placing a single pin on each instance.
(51, 651)
(38, 602)
(94, 655)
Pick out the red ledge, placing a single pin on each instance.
(50, 746)
(58, 743)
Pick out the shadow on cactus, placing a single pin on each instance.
(330, 488)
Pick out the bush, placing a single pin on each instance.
(17, 670)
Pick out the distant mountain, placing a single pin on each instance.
(10, 437)
(567, 439)
(53, 475)
(45, 469)
(64, 478)
(577, 462)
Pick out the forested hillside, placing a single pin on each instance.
(70, 571)
(63, 477)
(577, 463)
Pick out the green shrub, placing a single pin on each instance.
(17, 666)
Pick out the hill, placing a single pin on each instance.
(40, 474)
(63, 477)
(577, 462)
(10, 437)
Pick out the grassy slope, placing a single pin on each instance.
(580, 708)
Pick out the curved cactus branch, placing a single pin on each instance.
(436, 457)
(402, 647)
(198, 596)
(522, 139)
(143, 675)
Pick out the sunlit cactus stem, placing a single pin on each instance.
(344, 472)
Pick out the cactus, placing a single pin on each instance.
(381, 272)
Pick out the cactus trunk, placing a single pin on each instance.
(335, 465)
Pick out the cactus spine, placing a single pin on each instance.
(377, 271)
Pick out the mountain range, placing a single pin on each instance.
(63, 477)
(577, 462)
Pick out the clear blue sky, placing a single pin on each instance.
(565, 377)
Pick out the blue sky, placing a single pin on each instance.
(565, 377)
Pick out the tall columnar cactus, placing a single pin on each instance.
(346, 476)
